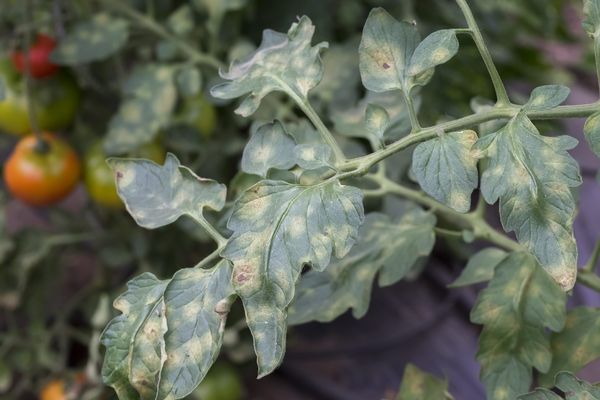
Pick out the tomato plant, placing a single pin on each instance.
(356, 149)
(42, 171)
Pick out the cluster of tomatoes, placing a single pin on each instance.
(43, 168)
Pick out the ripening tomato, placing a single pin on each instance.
(222, 382)
(42, 176)
(55, 101)
(40, 65)
(63, 389)
(99, 178)
(54, 390)
(200, 114)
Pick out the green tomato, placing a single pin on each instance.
(222, 382)
(55, 101)
(99, 178)
(200, 114)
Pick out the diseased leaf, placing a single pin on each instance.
(92, 40)
(437, 48)
(532, 175)
(577, 344)
(480, 267)
(519, 303)
(346, 283)
(270, 146)
(391, 56)
(169, 334)
(277, 228)
(148, 353)
(591, 129)
(282, 62)
(313, 156)
(446, 169)
(196, 325)
(143, 293)
(573, 389)
(158, 195)
(419, 385)
(591, 22)
(150, 100)
(377, 120)
(547, 97)
(576, 389)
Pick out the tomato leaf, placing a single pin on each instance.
(377, 120)
(391, 56)
(277, 228)
(196, 326)
(313, 156)
(577, 345)
(591, 21)
(346, 283)
(270, 146)
(573, 388)
(520, 301)
(419, 385)
(446, 169)
(169, 334)
(532, 176)
(158, 195)
(547, 97)
(143, 293)
(150, 98)
(92, 40)
(591, 129)
(480, 267)
(282, 62)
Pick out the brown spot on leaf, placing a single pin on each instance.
(119, 174)
(386, 66)
(243, 273)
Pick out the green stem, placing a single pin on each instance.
(448, 233)
(589, 279)
(597, 59)
(362, 164)
(206, 260)
(501, 95)
(412, 113)
(591, 264)
(481, 229)
(212, 232)
(151, 25)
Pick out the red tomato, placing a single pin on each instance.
(39, 58)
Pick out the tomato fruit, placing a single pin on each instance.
(54, 390)
(198, 112)
(222, 382)
(42, 177)
(55, 101)
(40, 65)
(99, 178)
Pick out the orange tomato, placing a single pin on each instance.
(42, 176)
(54, 390)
